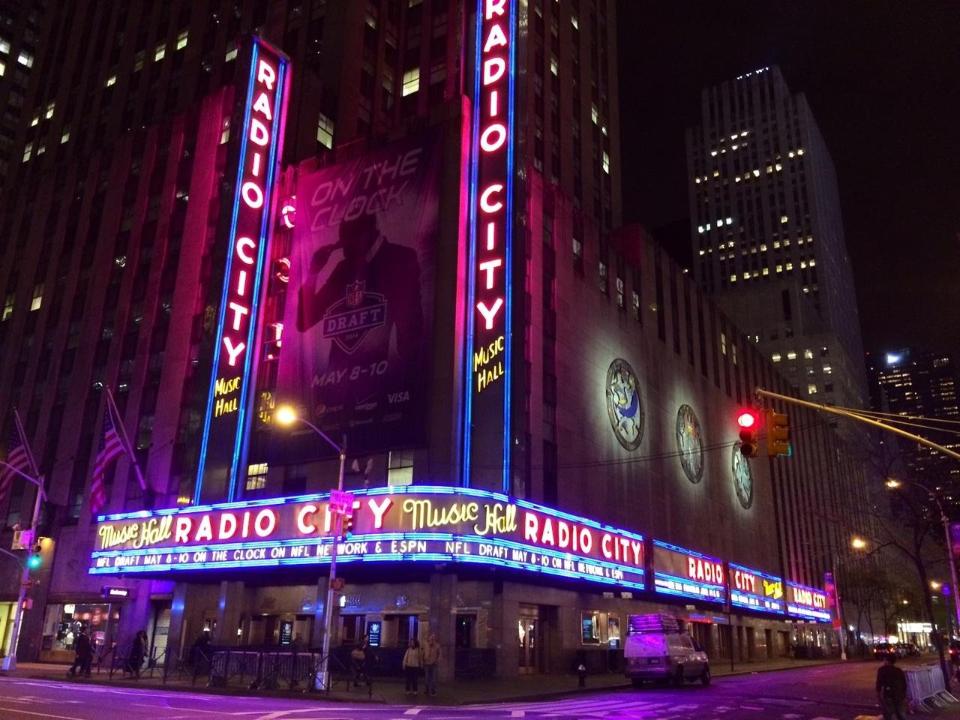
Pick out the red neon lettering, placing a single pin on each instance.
(530, 527)
(490, 236)
(485, 203)
(252, 194)
(228, 526)
(488, 267)
(495, 38)
(259, 133)
(489, 314)
(242, 244)
(379, 510)
(304, 525)
(546, 535)
(493, 69)
(205, 529)
(493, 7)
(233, 351)
(265, 523)
(181, 531)
(238, 312)
(266, 74)
(262, 106)
(493, 138)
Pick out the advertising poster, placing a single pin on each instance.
(358, 315)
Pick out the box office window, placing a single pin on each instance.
(600, 629)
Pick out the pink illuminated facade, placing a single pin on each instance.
(537, 404)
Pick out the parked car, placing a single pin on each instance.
(882, 650)
(655, 649)
(955, 651)
(907, 649)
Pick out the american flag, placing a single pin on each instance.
(18, 456)
(111, 446)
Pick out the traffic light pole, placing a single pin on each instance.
(9, 662)
(853, 415)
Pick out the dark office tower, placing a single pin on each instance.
(20, 27)
(767, 233)
(919, 383)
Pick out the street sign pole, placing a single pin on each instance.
(322, 681)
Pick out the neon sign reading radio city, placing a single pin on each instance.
(238, 319)
(489, 303)
(418, 523)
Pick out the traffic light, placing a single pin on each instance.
(346, 529)
(778, 434)
(749, 433)
(34, 559)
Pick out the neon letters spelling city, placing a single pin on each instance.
(235, 352)
(487, 385)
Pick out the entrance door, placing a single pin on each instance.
(528, 630)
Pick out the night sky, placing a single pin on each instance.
(883, 81)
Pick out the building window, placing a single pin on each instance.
(808, 354)
(411, 81)
(577, 249)
(231, 53)
(400, 468)
(25, 59)
(27, 151)
(776, 357)
(48, 113)
(606, 162)
(621, 302)
(4, 46)
(723, 343)
(325, 128)
(635, 300)
(7, 307)
(257, 476)
(111, 81)
(791, 355)
(3, 69)
(811, 389)
(159, 52)
(602, 276)
(827, 370)
(225, 132)
(182, 39)
(65, 135)
(37, 300)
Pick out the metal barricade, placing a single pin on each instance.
(926, 689)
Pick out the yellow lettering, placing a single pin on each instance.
(498, 519)
(424, 514)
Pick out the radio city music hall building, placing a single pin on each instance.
(537, 403)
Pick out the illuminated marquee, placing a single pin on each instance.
(689, 574)
(755, 590)
(488, 356)
(807, 602)
(432, 524)
(235, 352)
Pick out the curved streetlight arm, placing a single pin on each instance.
(341, 449)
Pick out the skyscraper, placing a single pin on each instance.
(911, 382)
(20, 29)
(767, 232)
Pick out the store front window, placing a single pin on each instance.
(63, 623)
(600, 629)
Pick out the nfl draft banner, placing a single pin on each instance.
(260, 141)
(486, 402)
(358, 313)
(429, 524)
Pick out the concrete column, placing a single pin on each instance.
(443, 598)
(134, 613)
(230, 608)
(175, 643)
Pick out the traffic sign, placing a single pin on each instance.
(338, 584)
(341, 502)
(22, 539)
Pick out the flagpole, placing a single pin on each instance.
(10, 660)
(122, 428)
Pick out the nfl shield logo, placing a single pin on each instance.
(354, 294)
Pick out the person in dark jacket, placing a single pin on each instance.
(138, 649)
(891, 689)
(84, 655)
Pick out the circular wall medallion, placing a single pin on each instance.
(742, 477)
(623, 404)
(690, 443)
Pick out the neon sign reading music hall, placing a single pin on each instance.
(235, 355)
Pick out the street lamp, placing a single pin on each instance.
(858, 543)
(286, 415)
(894, 484)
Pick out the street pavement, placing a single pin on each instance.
(836, 692)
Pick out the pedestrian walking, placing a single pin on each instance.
(891, 689)
(138, 649)
(358, 663)
(412, 662)
(81, 648)
(431, 661)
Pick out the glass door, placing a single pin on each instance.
(528, 628)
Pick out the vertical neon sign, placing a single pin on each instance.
(486, 455)
(226, 422)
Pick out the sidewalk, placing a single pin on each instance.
(390, 690)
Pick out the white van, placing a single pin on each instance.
(663, 654)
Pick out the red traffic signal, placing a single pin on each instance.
(749, 423)
(747, 419)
